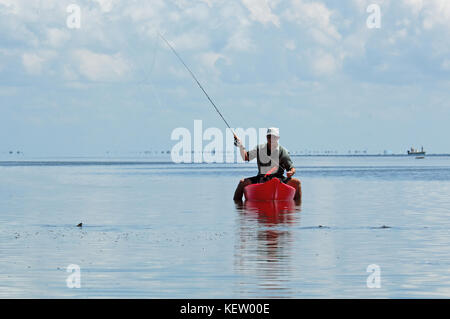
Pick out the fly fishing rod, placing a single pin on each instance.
(195, 78)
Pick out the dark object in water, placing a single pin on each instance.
(381, 227)
(80, 225)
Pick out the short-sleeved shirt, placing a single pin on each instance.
(268, 159)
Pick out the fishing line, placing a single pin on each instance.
(147, 73)
(195, 78)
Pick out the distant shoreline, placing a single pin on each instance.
(366, 155)
(162, 160)
(23, 157)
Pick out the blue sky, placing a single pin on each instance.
(312, 68)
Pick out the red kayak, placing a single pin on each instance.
(271, 190)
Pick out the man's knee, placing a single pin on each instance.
(240, 188)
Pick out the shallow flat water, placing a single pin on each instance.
(153, 229)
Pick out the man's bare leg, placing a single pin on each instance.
(240, 189)
(294, 182)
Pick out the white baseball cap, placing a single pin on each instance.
(274, 131)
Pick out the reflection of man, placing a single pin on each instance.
(271, 158)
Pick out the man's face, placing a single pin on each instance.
(272, 141)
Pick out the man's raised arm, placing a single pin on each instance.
(238, 143)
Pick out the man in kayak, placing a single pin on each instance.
(273, 159)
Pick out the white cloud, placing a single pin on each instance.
(57, 37)
(228, 29)
(190, 41)
(362, 5)
(446, 65)
(234, 19)
(316, 17)
(398, 35)
(209, 59)
(323, 63)
(261, 12)
(198, 12)
(147, 11)
(354, 45)
(208, 2)
(434, 12)
(290, 45)
(32, 63)
(69, 74)
(105, 5)
(12, 6)
(415, 5)
(240, 41)
(427, 24)
(101, 67)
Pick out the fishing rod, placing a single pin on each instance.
(195, 78)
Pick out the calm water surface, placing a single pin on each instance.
(152, 229)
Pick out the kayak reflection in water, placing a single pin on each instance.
(269, 213)
(273, 159)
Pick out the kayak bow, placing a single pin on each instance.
(270, 190)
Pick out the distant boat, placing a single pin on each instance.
(416, 152)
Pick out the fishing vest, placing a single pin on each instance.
(267, 159)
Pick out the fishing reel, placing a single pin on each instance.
(237, 142)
